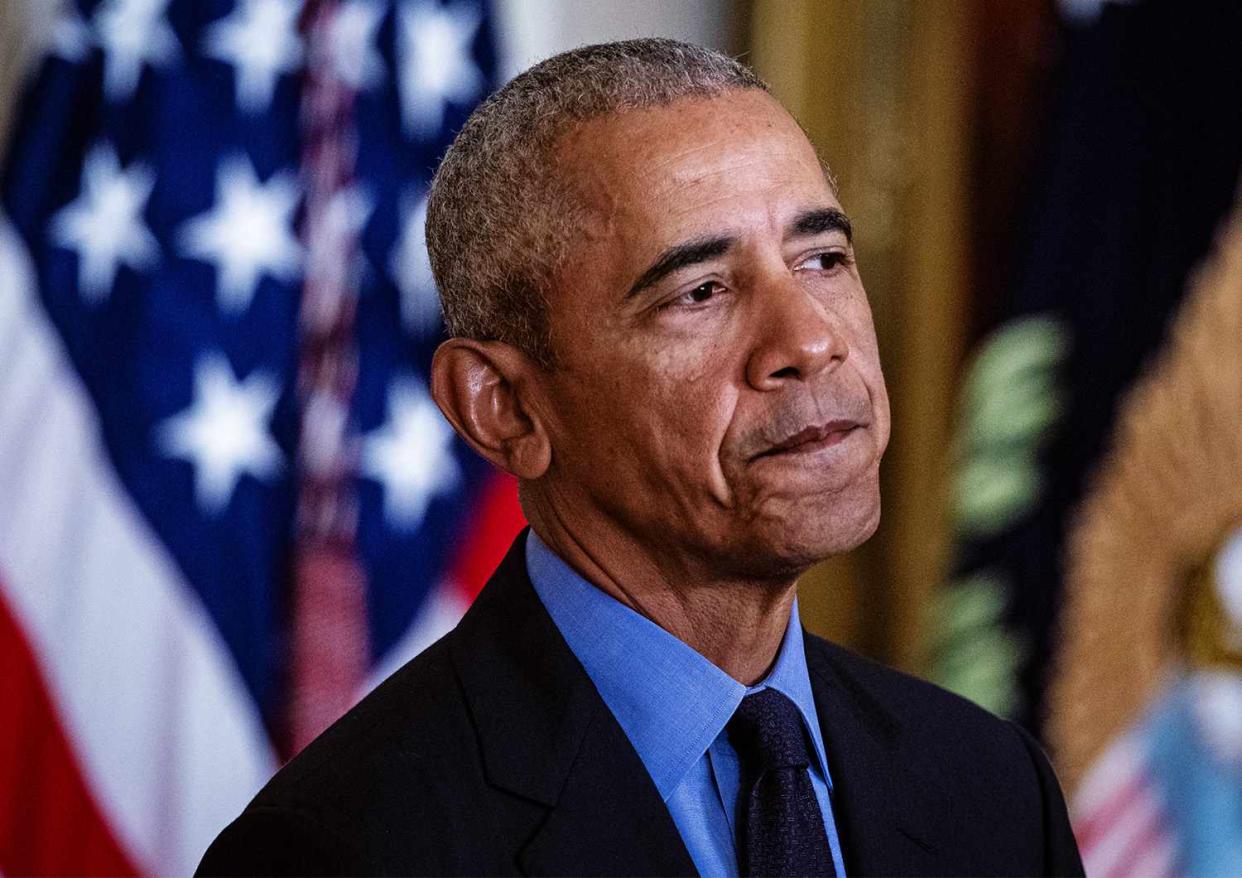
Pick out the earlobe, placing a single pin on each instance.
(479, 386)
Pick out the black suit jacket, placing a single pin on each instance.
(492, 753)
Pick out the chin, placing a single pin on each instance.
(833, 532)
(811, 530)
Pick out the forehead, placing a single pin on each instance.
(693, 165)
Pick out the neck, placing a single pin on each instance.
(737, 624)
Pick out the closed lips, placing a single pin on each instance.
(814, 437)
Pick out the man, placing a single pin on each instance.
(658, 327)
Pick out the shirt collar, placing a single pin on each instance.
(671, 702)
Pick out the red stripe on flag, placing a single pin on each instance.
(50, 824)
(329, 646)
(1091, 827)
(497, 520)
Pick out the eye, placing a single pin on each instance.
(701, 294)
(829, 260)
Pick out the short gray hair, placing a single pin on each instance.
(499, 214)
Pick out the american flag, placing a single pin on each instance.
(1121, 819)
(228, 505)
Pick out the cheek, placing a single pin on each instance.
(864, 351)
(669, 418)
(689, 357)
(653, 404)
(857, 314)
(698, 391)
(682, 413)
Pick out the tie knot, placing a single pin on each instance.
(767, 731)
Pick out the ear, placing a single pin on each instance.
(481, 388)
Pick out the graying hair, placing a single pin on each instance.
(500, 213)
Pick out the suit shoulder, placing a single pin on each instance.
(902, 694)
(416, 712)
(396, 785)
(944, 737)
(409, 740)
(984, 771)
(280, 841)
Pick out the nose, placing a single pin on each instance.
(796, 336)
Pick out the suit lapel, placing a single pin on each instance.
(610, 819)
(547, 737)
(886, 822)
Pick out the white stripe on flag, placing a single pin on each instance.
(169, 740)
(1119, 817)
(1157, 860)
(1134, 828)
(1119, 767)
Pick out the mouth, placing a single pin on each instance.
(812, 439)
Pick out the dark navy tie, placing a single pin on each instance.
(780, 827)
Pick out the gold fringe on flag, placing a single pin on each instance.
(1139, 595)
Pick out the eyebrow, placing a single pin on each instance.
(674, 258)
(810, 222)
(818, 221)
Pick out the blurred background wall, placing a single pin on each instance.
(1038, 190)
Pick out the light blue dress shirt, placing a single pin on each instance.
(673, 704)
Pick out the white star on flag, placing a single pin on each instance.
(411, 456)
(104, 224)
(223, 432)
(351, 42)
(68, 38)
(247, 233)
(411, 270)
(260, 39)
(436, 63)
(133, 33)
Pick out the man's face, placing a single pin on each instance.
(718, 391)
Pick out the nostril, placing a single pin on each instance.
(787, 372)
